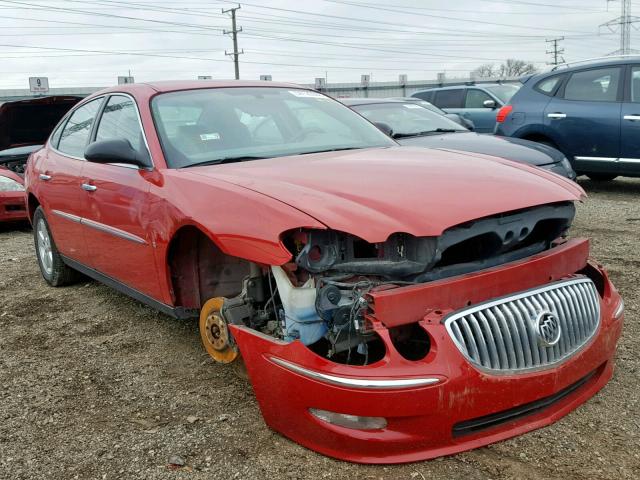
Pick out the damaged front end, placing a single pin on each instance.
(353, 350)
(322, 297)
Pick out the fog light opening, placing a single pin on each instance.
(345, 420)
(619, 310)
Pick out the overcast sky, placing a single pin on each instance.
(90, 43)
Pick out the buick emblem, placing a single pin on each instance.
(547, 325)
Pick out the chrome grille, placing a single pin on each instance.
(501, 335)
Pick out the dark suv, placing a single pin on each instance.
(589, 111)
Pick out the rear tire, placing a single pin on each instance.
(52, 267)
(601, 177)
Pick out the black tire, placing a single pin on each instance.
(53, 269)
(601, 177)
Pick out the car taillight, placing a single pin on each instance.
(503, 113)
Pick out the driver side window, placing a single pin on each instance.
(120, 121)
(476, 98)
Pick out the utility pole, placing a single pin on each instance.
(556, 52)
(623, 23)
(234, 33)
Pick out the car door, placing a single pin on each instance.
(116, 225)
(451, 100)
(630, 130)
(483, 118)
(584, 118)
(61, 183)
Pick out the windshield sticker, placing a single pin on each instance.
(411, 106)
(206, 137)
(306, 94)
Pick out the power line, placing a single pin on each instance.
(623, 23)
(556, 52)
(475, 21)
(234, 33)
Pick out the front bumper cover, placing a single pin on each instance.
(459, 408)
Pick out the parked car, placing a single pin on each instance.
(30, 121)
(590, 111)
(412, 125)
(465, 122)
(390, 303)
(478, 103)
(12, 197)
(24, 126)
(15, 159)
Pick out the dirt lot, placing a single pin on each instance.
(95, 385)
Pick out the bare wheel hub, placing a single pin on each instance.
(214, 332)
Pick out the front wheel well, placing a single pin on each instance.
(32, 205)
(199, 270)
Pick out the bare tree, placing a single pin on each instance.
(515, 68)
(511, 68)
(484, 71)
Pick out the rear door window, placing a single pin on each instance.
(76, 132)
(450, 98)
(597, 85)
(476, 98)
(548, 86)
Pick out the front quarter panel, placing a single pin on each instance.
(241, 222)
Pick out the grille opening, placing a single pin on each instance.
(376, 351)
(596, 277)
(490, 244)
(362, 249)
(501, 335)
(411, 341)
(476, 248)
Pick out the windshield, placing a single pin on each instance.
(226, 124)
(503, 92)
(406, 119)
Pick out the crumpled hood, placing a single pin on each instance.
(516, 149)
(373, 193)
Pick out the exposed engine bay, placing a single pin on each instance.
(320, 297)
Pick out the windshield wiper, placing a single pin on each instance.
(218, 161)
(426, 132)
(332, 150)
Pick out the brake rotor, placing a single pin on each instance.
(215, 334)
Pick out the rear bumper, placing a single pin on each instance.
(12, 207)
(466, 408)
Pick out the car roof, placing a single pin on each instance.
(178, 85)
(466, 85)
(586, 64)
(369, 101)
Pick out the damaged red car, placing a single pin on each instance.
(391, 304)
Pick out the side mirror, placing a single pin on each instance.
(490, 104)
(384, 128)
(116, 151)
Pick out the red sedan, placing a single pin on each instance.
(391, 304)
(12, 197)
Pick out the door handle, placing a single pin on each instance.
(89, 188)
(557, 115)
(44, 177)
(633, 118)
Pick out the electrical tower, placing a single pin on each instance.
(556, 52)
(234, 33)
(623, 23)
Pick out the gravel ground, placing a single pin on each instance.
(95, 385)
